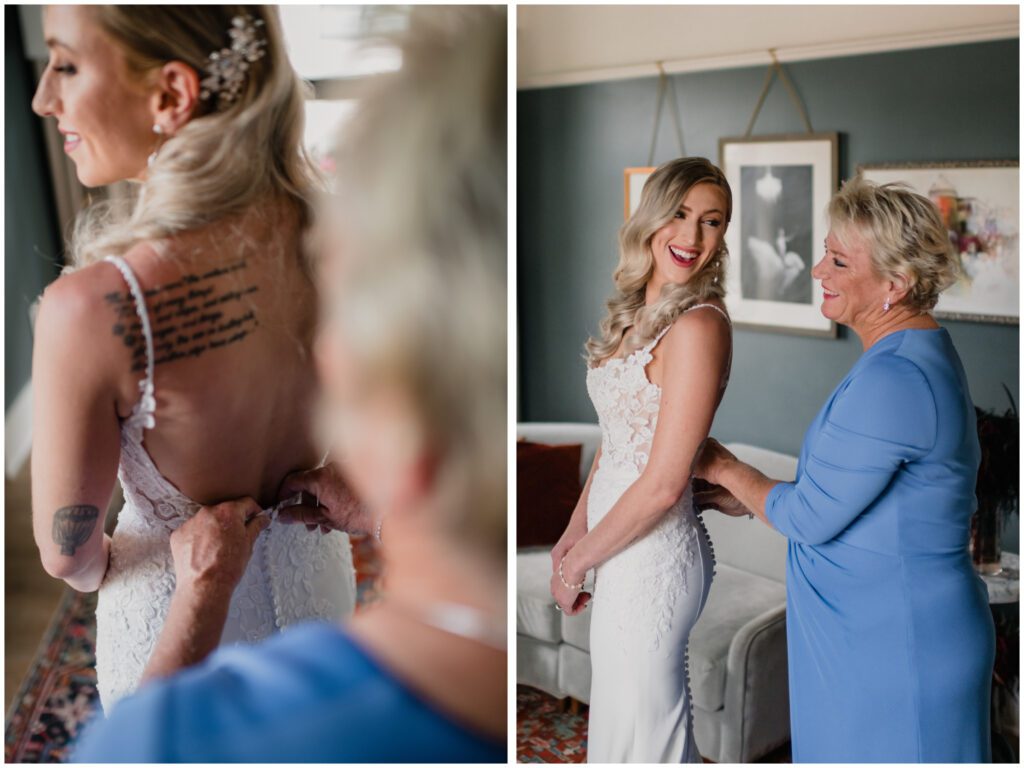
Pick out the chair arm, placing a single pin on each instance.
(756, 717)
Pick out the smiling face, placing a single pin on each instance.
(103, 112)
(681, 247)
(854, 292)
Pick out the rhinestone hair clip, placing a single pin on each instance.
(227, 67)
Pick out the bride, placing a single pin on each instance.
(657, 374)
(176, 353)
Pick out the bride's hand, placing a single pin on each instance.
(707, 496)
(339, 509)
(571, 601)
(573, 533)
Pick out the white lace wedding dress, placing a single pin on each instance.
(648, 597)
(294, 574)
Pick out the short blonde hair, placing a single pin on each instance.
(420, 203)
(905, 235)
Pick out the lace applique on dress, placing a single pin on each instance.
(627, 405)
(293, 575)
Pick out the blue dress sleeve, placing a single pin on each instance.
(885, 416)
(135, 733)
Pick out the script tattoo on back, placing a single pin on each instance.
(188, 317)
(72, 526)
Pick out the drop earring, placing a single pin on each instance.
(158, 130)
(885, 307)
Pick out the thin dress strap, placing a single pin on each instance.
(654, 342)
(142, 413)
(715, 307)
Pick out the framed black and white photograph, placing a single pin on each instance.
(634, 180)
(980, 205)
(781, 186)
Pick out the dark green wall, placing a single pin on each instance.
(949, 103)
(30, 233)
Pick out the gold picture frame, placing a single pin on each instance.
(633, 183)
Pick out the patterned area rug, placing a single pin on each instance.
(546, 732)
(58, 695)
(549, 732)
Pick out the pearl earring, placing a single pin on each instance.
(158, 130)
(885, 307)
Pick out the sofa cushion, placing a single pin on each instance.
(562, 432)
(535, 608)
(576, 629)
(537, 665)
(536, 615)
(736, 597)
(574, 672)
(548, 488)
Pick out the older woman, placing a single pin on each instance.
(890, 638)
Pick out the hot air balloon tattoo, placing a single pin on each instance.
(72, 526)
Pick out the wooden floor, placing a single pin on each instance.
(31, 595)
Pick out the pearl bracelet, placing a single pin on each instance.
(562, 577)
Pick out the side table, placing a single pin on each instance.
(1004, 600)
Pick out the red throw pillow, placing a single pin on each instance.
(548, 486)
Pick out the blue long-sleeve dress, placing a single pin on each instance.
(890, 637)
(312, 694)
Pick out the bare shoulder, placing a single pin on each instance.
(74, 327)
(86, 304)
(74, 302)
(702, 324)
(697, 341)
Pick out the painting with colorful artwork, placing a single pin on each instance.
(980, 204)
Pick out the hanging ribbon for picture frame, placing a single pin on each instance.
(665, 85)
(635, 177)
(780, 184)
(776, 69)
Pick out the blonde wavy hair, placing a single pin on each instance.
(659, 201)
(905, 234)
(420, 206)
(229, 156)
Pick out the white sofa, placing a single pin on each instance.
(737, 648)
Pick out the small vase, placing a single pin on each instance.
(986, 539)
